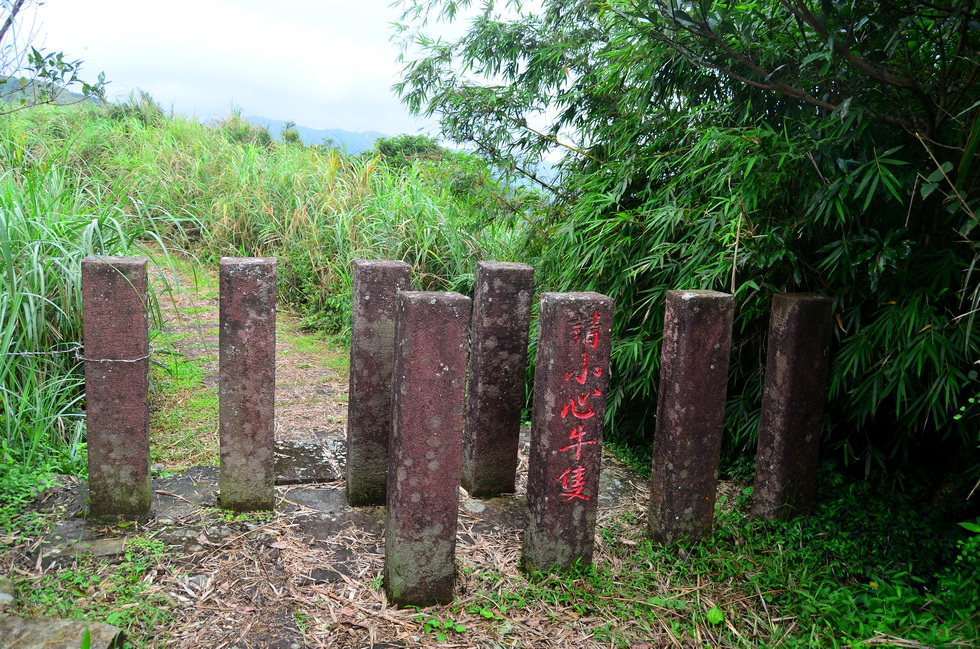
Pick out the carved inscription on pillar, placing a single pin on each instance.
(566, 429)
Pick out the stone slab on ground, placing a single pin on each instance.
(48, 633)
(307, 461)
(83, 545)
(8, 594)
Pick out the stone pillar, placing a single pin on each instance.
(247, 384)
(570, 380)
(690, 414)
(797, 365)
(117, 353)
(371, 358)
(426, 447)
(498, 363)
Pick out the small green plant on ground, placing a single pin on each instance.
(229, 516)
(115, 593)
(302, 621)
(442, 628)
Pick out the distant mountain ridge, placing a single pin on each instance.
(349, 141)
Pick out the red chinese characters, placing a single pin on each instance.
(578, 434)
(577, 408)
(566, 429)
(572, 483)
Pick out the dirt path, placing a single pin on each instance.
(311, 383)
(309, 574)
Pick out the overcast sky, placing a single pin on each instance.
(322, 63)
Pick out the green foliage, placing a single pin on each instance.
(960, 583)
(441, 628)
(116, 593)
(19, 484)
(400, 150)
(289, 135)
(755, 148)
(238, 129)
(51, 217)
(715, 615)
(140, 107)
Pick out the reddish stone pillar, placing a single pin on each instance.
(498, 362)
(566, 429)
(247, 384)
(117, 354)
(371, 359)
(690, 414)
(797, 366)
(426, 447)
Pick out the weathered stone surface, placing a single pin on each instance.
(247, 383)
(116, 384)
(8, 594)
(428, 400)
(49, 633)
(304, 461)
(797, 365)
(498, 362)
(566, 429)
(690, 414)
(371, 358)
(75, 548)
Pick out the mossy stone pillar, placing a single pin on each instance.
(247, 383)
(690, 414)
(797, 365)
(376, 282)
(117, 351)
(498, 364)
(571, 373)
(425, 454)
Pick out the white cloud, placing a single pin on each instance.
(324, 64)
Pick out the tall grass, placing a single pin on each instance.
(84, 180)
(51, 217)
(314, 208)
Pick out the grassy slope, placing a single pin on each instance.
(88, 180)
